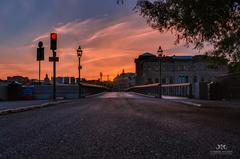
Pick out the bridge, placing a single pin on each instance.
(45, 92)
(71, 91)
(119, 125)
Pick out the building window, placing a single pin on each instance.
(150, 81)
(164, 81)
(180, 68)
(182, 79)
(185, 68)
(195, 79)
(171, 80)
(186, 79)
(163, 68)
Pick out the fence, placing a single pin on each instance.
(67, 91)
(228, 86)
(3, 93)
(182, 90)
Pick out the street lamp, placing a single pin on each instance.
(79, 54)
(160, 54)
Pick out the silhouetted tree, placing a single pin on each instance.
(197, 22)
(120, 1)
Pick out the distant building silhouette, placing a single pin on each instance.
(60, 80)
(66, 80)
(72, 80)
(47, 80)
(101, 76)
(124, 80)
(19, 79)
(123, 72)
(3, 82)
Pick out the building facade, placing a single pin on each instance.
(18, 79)
(176, 69)
(124, 81)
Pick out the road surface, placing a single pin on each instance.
(121, 125)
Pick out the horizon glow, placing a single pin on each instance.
(111, 36)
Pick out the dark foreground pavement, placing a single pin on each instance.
(121, 125)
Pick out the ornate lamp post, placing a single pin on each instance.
(79, 54)
(160, 54)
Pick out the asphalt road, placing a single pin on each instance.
(121, 125)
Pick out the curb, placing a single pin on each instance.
(144, 95)
(23, 109)
(94, 95)
(171, 100)
(186, 103)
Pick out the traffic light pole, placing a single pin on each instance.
(40, 57)
(54, 59)
(39, 75)
(160, 77)
(54, 75)
(79, 79)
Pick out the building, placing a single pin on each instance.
(65, 80)
(46, 80)
(59, 80)
(176, 69)
(124, 80)
(73, 80)
(3, 82)
(227, 86)
(19, 79)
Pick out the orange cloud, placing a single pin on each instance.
(109, 47)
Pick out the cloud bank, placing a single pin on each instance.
(109, 46)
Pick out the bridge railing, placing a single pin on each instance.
(89, 89)
(181, 90)
(150, 89)
(67, 91)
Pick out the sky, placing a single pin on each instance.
(111, 36)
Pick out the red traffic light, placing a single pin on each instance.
(53, 41)
(54, 36)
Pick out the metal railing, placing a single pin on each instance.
(67, 91)
(89, 89)
(181, 90)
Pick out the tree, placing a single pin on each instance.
(120, 1)
(198, 22)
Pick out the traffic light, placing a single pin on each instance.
(53, 41)
(40, 52)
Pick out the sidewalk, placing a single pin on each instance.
(205, 103)
(18, 104)
(8, 107)
(11, 107)
(212, 103)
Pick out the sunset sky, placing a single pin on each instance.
(111, 36)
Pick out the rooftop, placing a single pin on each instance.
(182, 57)
(151, 57)
(147, 54)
